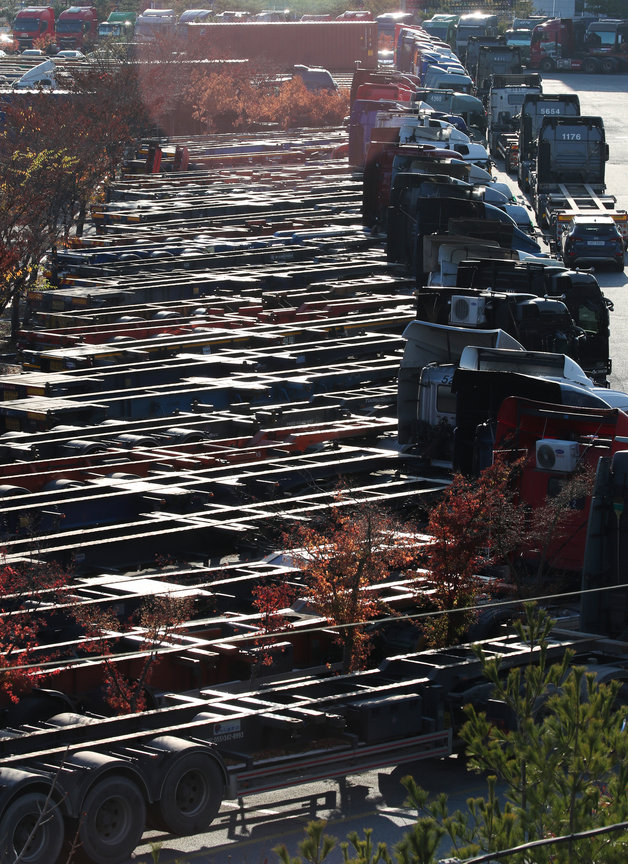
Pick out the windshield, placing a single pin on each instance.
(68, 26)
(437, 29)
(470, 30)
(28, 25)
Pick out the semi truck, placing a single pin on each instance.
(579, 290)
(100, 781)
(32, 23)
(454, 377)
(334, 45)
(572, 44)
(504, 100)
(494, 60)
(474, 24)
(77, 27)
(419, 208)
(155, 25)
(535, 107)
(557, 444)
(119, 25)
(569, 176)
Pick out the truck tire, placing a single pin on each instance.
(113, 818)
(546, 65)
(590, 66)
(191, 794)
(607, 66)
(17, 823)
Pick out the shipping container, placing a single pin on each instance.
(335, 45)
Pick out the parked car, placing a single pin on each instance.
(315, 78)
(592, 239)
(70, 54)
(355, 15)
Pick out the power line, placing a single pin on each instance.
(260, 636)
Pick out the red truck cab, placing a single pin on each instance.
(33, 23)
(580, 45)
(77, 27)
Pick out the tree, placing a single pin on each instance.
(52, 161)
(292, 105)
(484, 521)
(149, 631)
(27, 590)
(229, 99)
(562, 766)
(462, 527)
(607, 8)
(564, 760)
(342, 558)
(271, 600)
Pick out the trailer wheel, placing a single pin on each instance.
(191, 795)
(112, 821)
(17, 824)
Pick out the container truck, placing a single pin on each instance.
(333, 45)
(505, 98)
(494, 60)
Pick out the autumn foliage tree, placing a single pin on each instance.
(55, 150)
(271, 600)
(355, 548)
(146, 636)
(27, 592)
(229, 99)
(484, 521)
(460, 527)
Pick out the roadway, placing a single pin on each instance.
(605, 96)
(373, 800)
(376, 799)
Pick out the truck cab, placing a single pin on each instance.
(119, 25)
(580, 44)
(474, 24)
(505, 99)
(535, 107)
(443, 27)
(437, 77)
(155, 24)
(77, 27)
(32, 23)
(495, 60)
(607, 42)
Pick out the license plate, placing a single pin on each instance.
(595, 242)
